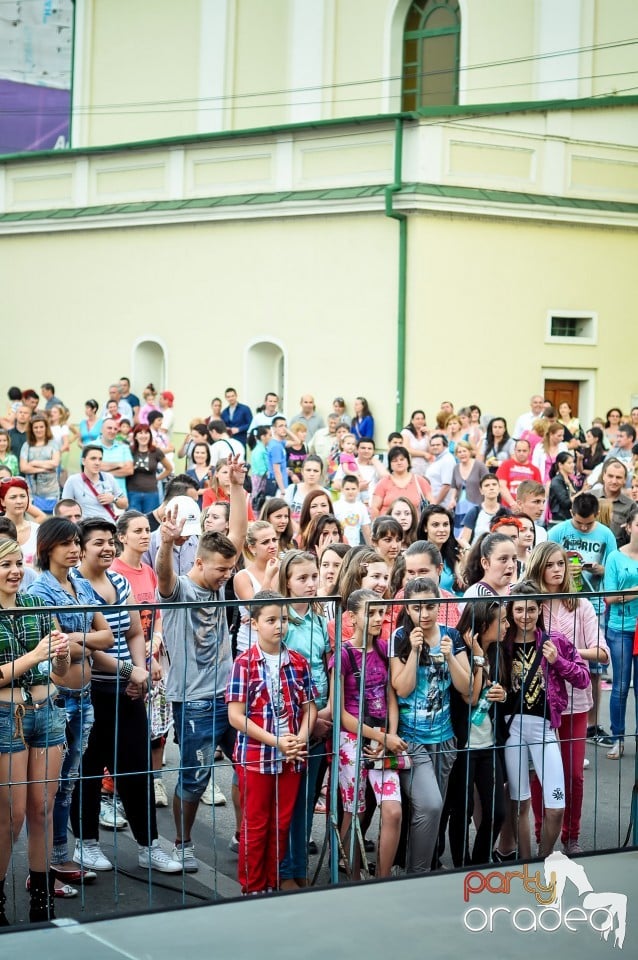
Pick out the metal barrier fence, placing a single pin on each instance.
(434, 801)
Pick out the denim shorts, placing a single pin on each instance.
(199, 726)
(25, 725)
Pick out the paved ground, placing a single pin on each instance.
(608, 786)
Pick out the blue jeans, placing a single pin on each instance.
(295, 863)
(621, 645)
(79, 720)
(144, 502)
(199, 726)
(42, 726)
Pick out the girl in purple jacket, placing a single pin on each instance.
(536, 666)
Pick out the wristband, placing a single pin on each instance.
(125, 670)
(478, 661)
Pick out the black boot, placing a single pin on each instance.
(3, 917)
(42, 892)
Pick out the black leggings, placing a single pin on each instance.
(483, 769)
(128, 761)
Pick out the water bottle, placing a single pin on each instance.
(478, 713)
(576, 563)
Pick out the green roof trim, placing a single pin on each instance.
(527, 106)
(334, 193)
(463, 111)
(507, 196)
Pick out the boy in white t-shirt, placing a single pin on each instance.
(351, 513)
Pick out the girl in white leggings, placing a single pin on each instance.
(536, 666)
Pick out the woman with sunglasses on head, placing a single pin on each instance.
(34, 656)
(119, 737)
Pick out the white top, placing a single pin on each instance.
(352, 516)
(226, 448)
(246, 636)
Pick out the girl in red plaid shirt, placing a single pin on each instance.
(270, 698)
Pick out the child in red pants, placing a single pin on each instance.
(270, 698)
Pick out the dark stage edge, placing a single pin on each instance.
(404, 918)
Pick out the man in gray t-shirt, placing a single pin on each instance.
(198, 643)
(199, 651)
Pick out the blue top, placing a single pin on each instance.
(621, 573)
(240, 421)
(48, 589)
(309, 636)
(424, 715)
(594, 547)
(363, 428)
(277, 454)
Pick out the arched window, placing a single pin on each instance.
(265, 371)
(149, 364)
(431, 46)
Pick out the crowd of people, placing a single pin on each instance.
(431, 601)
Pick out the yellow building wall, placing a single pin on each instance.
(323, 287)
(142, 70)
(614, 68)
(145, 71)
(359, 37)
(500, 43)
(261, 54)
(479, 294)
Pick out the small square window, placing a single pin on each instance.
(571, 327)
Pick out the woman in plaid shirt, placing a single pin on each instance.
(270, 698)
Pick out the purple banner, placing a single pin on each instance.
(33, 117)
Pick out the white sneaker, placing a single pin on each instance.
(112, 815)
(155, 858)
(161, 797)
(233, 844)
(185, 855)
(585, 763)
(88, 854)
(213, 795)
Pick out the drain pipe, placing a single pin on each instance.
(402, 219)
